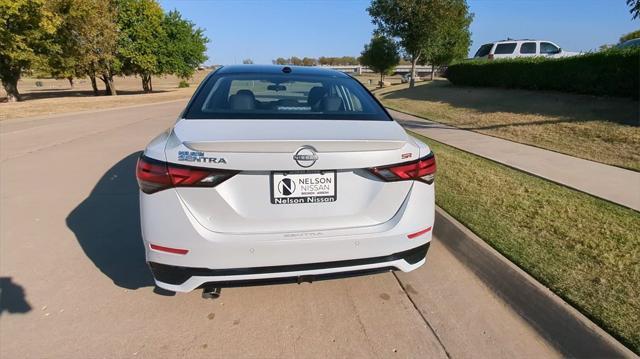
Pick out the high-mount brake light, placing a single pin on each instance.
(423, 169)
(154, 175)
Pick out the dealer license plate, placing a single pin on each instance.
(303, 187)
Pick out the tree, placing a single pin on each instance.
(381, 56)
(98, 35)
(141, 35)
(62, 63)
(280, 61)
(26, 29)
(347, 60)
(294, 60)
(184, 47)
(309, 61)
(247, 62)
(455, 37)
(85, 37)
(420, 25)
(634, 8)
(629, 36)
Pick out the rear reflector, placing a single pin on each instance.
(423, 170)
(156, 247)
(418, 234)
(154, 175)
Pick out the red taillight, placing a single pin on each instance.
(154, 175)
(423, 169)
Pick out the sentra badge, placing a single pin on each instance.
(197, 156)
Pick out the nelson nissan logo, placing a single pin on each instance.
(305, 157)
(286, 187)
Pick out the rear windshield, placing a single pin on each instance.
(483, 50)
(283, 96)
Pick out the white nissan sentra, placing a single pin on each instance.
(277, 174)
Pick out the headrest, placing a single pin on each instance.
(330, 104)
(242, 101)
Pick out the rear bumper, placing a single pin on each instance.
(221, 257)
(184, 279)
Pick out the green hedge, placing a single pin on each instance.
(614, 72)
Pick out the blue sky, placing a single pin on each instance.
(264, 30)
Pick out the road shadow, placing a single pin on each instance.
(12, 297)
(565, 107)
(107, 226)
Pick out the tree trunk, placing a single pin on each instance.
(107, 90)
(70, 78)
(145, 85)
(414, 61)
(92, 77)
(381, 80)
(10, 84)
(433, 70)
(146, 82)
(94, 84)
(110, 88)
(150, 84)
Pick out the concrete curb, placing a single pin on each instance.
(563, 326)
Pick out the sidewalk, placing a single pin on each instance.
(608, 182)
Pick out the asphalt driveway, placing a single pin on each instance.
(74, 281)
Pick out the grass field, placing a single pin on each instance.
(585, 249)
(601, 129)
(57, 96)
(370, 80)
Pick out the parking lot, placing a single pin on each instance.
(75, 283)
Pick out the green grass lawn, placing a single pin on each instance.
(370, 80)
(600, 129)
(585, 249)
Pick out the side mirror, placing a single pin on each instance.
(559, 50)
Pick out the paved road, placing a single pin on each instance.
(609, 182)
(74, 282)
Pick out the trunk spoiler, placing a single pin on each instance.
(289, 146)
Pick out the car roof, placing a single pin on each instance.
(278, 69)
(515, 40)
(630, 43)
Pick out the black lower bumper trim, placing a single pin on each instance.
(289, 280)
(177, 275)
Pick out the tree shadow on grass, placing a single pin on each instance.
(107, 226)
(38, 94)
(564, 107)
(12, 297)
